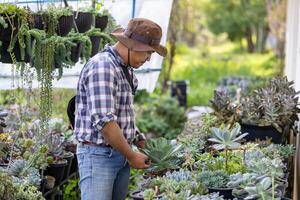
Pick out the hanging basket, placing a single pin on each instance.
(5, 33)
(83, 21)
(37, 21)
(95, 44)
(65, 25)
(75, 52)
(6, 57)
(101, 22)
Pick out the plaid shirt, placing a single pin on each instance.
(104, 95)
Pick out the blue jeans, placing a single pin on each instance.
(104, 173)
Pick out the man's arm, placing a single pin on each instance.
(113, 135)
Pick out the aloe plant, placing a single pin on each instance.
(226, 139)
(163, 155)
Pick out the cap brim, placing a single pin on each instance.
(136, 45)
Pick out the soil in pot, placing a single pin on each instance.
(101, 22)
(83, 21)
(57, 170)
(261, 133)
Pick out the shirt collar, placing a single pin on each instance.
(116, 54)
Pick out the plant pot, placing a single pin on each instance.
(69, 157)
(75, 52)
(179, 90)
(43, 184)
(95, 44)
(57, 171)
(139, 195)
(261, 133)
(65, 25)
(6, 58)
(226, 192)
(74, 165)
(83, 21)
(50, 182)
(101, 22)
(5, 33)
(37, 21)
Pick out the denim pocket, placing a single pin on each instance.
(103, 152)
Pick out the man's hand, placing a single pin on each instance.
(140, 144)
(138, 160)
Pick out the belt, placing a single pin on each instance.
(94, 144)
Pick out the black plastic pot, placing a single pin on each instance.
(226, 192)
(74, 165)
(179, 90)
(139, 195)
(95, 44)
(83, 21)
(75, 52)
(261, 133)
(6, 57)
(57, 171)
(69, 157)
(65, 25)
(5, 33)
(38, 21)
(42, 185)
(101, 22)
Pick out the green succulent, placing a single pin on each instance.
(163, 155)
(225, 138)
(213, 179)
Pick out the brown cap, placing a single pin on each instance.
(141, 35)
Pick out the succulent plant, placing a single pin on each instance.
(55, 145)
(226, 139)
(213, 179)
(180, 175)
(210, 196)
(22, 171)
(276, 105)
(225, 110)
(163, 155)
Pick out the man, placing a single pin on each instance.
(104, 119)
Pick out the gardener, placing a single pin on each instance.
(104, 118)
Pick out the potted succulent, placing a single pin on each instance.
(226, 139)
(216, 181)
(270, 112)
(163, 156)
(57, 165)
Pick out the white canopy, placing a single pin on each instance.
(122, 10)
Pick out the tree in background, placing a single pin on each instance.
(240, 19)
(184, 27)
(277, 22)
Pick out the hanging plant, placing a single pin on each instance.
(14, 22)
(98, 39)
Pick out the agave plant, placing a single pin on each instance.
(163, 155)
(226, 139)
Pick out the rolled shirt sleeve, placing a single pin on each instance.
(101, 91)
